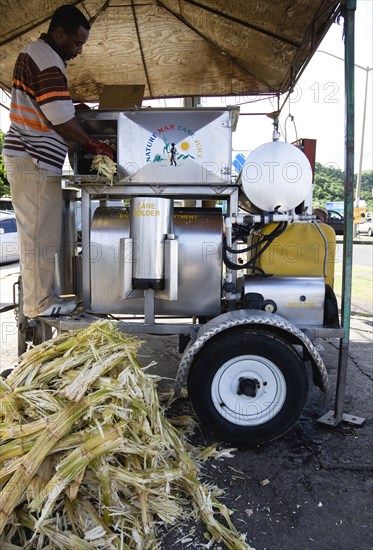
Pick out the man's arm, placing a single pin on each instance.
(71, 131)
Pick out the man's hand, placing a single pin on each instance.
(98, 148)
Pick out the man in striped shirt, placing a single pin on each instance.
(43, 123)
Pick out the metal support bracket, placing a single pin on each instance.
(171, 275)
(149, 306)
(328, 419)
(125, 263)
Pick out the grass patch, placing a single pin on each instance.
(362, 283)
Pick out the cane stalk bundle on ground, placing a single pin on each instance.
(88, 458)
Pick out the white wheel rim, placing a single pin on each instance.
(247, 410)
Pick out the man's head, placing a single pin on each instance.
(69, 29)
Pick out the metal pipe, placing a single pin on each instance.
(333, 418)
(86, 248)
(350, 8)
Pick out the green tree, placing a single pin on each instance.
(367, 189)
(4, 184)
(329, 186)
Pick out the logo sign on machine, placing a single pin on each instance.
(175, 146)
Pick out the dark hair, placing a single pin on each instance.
(69, 18)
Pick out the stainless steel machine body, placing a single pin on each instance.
(199, 235)
(142, 140)
(297, 299)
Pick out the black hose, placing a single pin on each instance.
(267, 239)
(274, 233)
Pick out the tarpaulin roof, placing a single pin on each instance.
(179, 48)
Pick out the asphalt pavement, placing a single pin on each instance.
(311, 489)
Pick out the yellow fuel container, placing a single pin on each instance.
(300, 251)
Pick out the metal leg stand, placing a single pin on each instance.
(20, 316)
(333, 418)
(149, 306)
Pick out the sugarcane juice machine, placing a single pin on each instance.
(237, 266)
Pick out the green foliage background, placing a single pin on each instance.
(4, 184)
(329, 186)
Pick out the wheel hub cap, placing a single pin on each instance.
(248, 386)
(248, 390)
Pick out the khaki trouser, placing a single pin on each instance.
(37, 200)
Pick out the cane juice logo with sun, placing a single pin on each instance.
(173, 143)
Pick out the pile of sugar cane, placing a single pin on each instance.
(87, 458)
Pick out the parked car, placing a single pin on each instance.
(9, 249)
(336, 221)
(6, 204)
(365, 227)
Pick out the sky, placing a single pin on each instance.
(317, 104)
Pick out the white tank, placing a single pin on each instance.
(276, 175)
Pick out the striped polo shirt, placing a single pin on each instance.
(40, 100)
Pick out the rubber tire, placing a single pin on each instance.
(245, 341)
